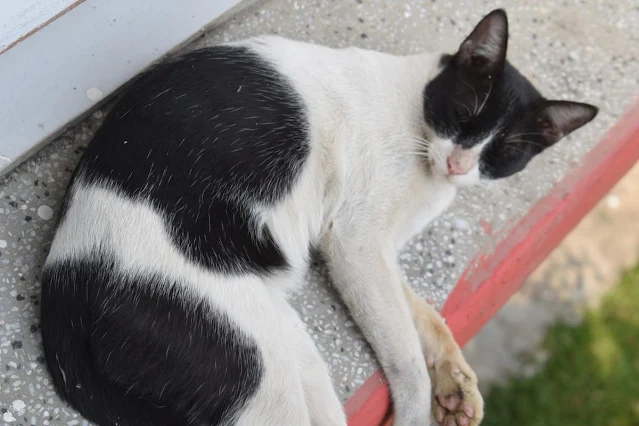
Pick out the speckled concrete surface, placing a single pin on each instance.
(581, 50)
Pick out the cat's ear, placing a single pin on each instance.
(484, 49)
(556, 119)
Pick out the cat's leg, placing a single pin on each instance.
(368, 278)
(280, 399)
(456, 396)
(278, 402)
(324, 406)
(296, 389)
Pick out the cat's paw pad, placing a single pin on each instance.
(456, 397)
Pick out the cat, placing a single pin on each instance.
(190, 218)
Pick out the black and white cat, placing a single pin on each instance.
(189, 221)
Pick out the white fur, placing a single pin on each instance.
(362, 194)
(442, 149)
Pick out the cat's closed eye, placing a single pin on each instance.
(462, 113)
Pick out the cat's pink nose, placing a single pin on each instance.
(461, 161)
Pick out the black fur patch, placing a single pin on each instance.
(467, 107)
(478, 94)
(124, 354)
(204, 137)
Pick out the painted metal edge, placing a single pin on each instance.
(494, 276)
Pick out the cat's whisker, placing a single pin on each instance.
(419, 139)
(516, 135)
(490, 88)
(470, 114)
(475, 92)
(521, 150)
(415, 146)
(416, 153)
(512, 141)
(418, 143)
(421, 143)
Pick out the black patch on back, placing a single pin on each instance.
(123, 353)
(203, 138)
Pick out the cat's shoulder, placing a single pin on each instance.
(270, 45)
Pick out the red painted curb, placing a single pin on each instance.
(494, 276)
(369, 404)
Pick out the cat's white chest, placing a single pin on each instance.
(432, 199)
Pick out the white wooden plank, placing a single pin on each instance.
(19, 18)
(56, 74)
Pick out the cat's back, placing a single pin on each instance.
(201, 140)
(208, 139)
(165, 230)
(223, 115)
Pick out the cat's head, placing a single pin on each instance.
(485, 120)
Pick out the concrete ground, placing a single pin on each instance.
(581, 50)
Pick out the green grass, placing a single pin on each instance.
(591, 377)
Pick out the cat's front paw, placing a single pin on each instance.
(456, 397)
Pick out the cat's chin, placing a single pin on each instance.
(469, 179)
